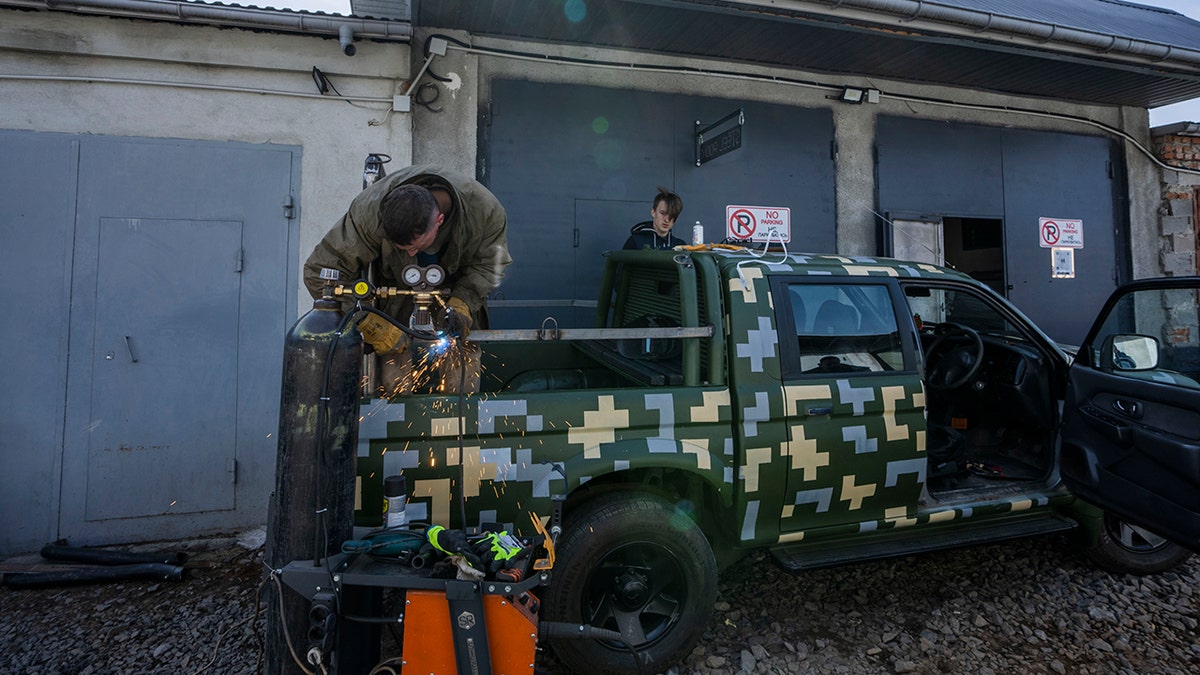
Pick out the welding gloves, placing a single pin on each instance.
(381, 334)
(457, 319)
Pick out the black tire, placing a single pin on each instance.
(1128, 549)
(637, 565)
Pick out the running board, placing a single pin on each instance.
(813, 555)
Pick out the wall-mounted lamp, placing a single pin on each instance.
(857, 95)
(346, 39)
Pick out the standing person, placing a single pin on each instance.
(422, 215)
(656, 233)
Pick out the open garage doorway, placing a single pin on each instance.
(975, 246)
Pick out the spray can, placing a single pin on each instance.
(394, 498)
(697, 234)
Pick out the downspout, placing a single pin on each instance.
(222, 15)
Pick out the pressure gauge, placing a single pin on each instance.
(434, 275)
(411, 275)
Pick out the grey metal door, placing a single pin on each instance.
(555, 151)
(786, 160)
(1017, 176)
(550, 146)
(598, 229)
(1049, 175)
(183, 288)
(37, 207)
(163, 368)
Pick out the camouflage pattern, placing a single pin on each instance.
(785, 459)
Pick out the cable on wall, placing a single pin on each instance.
(808, 84)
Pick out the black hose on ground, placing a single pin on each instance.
(100, 556)
(88, 575)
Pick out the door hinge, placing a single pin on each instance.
(1112, 170)
(833, 150)
(289, 207)
(577, 237)
(233, 471)
(241, 261)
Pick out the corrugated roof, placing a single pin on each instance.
(1114, 17)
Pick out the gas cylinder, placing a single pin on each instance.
(312, 507)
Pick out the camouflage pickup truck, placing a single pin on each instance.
(827, 409)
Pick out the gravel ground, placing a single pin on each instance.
(1032, 606)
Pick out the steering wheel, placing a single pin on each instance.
(958, 365)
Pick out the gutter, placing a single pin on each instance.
(177, 11)
(972, 23)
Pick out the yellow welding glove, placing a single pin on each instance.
(458, 318)
(381, 334)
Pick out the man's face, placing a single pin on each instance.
(424, 241)
(663, 221)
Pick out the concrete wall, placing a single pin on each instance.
(260, 89)
(454, 127)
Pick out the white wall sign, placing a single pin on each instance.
(758, 223)
(1062, 263)
(1060, 233)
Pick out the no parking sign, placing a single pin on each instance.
(1060, 233)
(758, 223)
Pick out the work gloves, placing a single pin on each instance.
(381, 334)
(457, 320)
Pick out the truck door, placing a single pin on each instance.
(854, 405)
(1131, 423)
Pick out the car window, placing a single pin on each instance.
(1151, 334)
(946, 305)
(845, 328)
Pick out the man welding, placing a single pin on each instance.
(431, 218)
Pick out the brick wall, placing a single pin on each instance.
(1180, 195)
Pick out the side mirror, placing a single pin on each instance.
(1128, 352)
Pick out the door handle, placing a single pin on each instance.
(1128, 408)
(129, 346)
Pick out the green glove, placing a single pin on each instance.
(453, 542)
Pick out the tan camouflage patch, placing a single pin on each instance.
(755, 458)
(699, 448)
(438, 491)
(793, 394)
(943, 516)
(890, 395)
(898, 516)
(750, 274)
(855, 494)
(598, 427)
(866, 270)
(709, 410)
(441, 427)
(804, 453)
(1022, 505)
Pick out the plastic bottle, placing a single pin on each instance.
(697, 234)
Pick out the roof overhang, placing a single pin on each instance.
(229, 16)
(905, 40)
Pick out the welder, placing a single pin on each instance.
(424, 216)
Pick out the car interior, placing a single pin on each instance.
(991, 392)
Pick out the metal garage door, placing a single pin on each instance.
(179, 260)
(577, 166)
(938, 169)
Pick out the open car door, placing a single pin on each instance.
(1131, 421)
